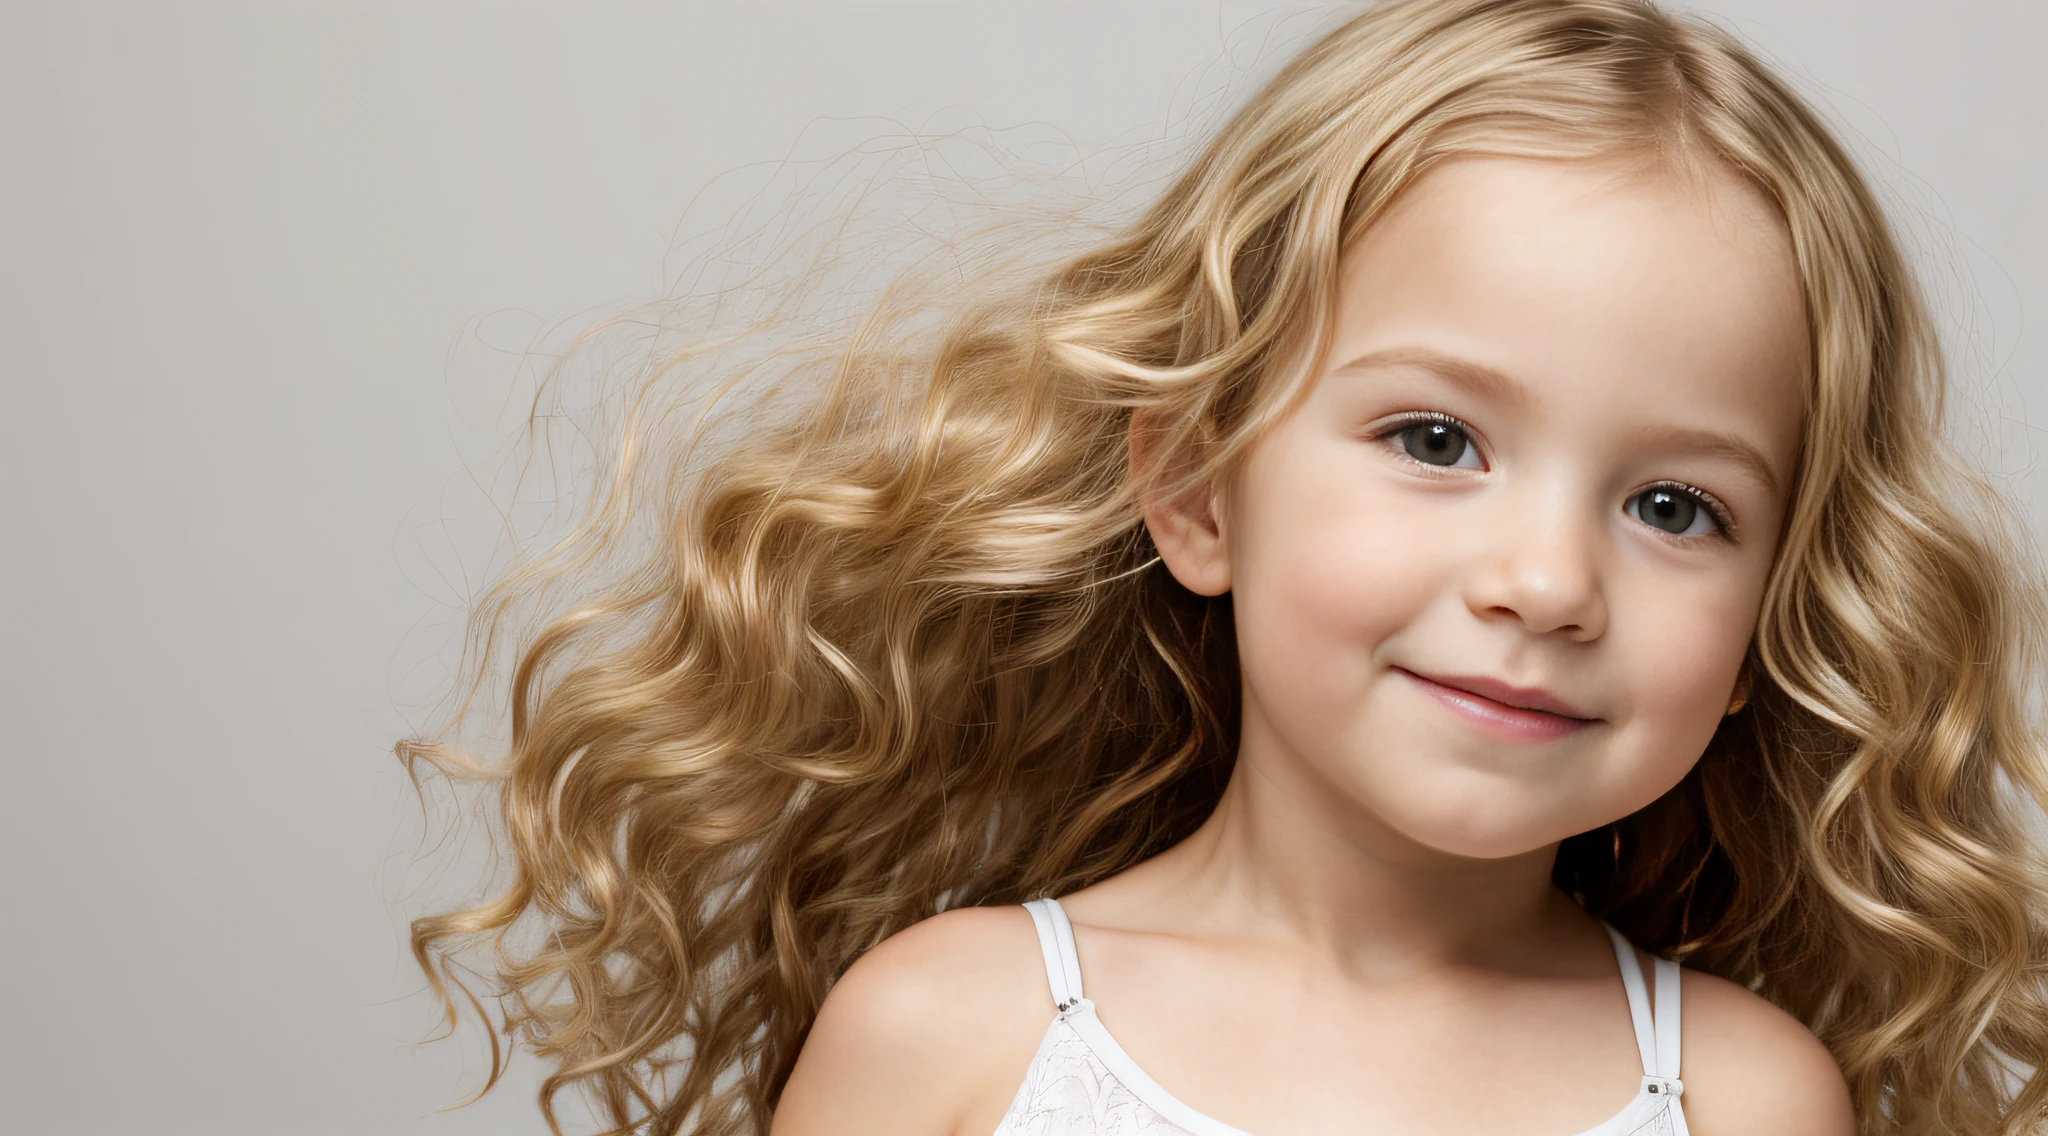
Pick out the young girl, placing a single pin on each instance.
(1306, 665)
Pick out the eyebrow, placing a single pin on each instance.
(1715, 444)
(1483, 381)
(1474, 378)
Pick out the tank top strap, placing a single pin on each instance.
(1656, 1028)
(1638, 1000)
(1667, 1018)
(1056, 943)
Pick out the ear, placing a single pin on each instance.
(1188, 529)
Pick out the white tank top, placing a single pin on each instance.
(1082, 1083)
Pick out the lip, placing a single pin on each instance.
(1516, 713)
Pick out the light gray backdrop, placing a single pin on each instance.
(267, 270)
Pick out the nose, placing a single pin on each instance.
(1542, 570)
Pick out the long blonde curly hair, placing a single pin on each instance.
(909, 648)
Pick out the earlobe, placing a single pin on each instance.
(1188, 528)
(1739, 697)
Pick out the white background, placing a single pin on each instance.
(265, 271)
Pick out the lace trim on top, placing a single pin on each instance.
(1082, 1083)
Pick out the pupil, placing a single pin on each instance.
(1436, 443)
(1672, 512)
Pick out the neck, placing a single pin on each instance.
(1289, 855)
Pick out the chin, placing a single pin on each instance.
(1482, 830)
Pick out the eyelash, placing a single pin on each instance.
(1724, 521)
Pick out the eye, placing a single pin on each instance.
(1438, 442)
(1677, 510)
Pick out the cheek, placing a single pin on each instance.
(1674, 663)
(1321, 575)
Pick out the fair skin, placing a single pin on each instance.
(1544, 468)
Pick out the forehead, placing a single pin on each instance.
(1595, 285)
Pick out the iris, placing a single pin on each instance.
(1435, 443)
(1673, 510)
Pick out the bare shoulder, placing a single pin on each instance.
(1751, 1069)
(926, 1033)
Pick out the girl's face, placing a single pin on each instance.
(1495, 576)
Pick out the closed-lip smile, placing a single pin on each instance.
(1517, 713)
